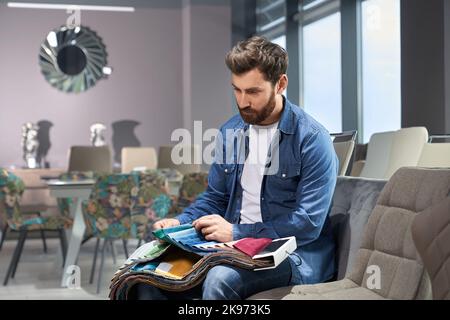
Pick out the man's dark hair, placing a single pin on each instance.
(258, 52)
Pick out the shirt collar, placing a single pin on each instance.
(287, 124)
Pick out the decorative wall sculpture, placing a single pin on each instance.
(73, 59)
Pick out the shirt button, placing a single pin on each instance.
(262, 198)
(226, 170)
(284, 175)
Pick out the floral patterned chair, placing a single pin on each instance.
(192, 186)
(154, 202)
(108, 213)
(11, 190)
(122, 206)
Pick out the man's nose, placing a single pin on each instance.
(244, 101)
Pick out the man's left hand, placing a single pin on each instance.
(214, 227)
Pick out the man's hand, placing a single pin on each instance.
(214, 227)
(165, 223)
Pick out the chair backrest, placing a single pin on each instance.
(133, 157)
(90, 158)
(431, 237)
(344, 136)
(387, 250)
(406, 148)
(108, 212)
(11, 190)
(378, 155)
(439, 138)
(165, 159)
(153, 199)
(344, 146)
(435, 155)
(389, 151)
(344, 151)
(192, 186)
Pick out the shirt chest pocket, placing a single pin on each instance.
(287, 178)
(228, 171)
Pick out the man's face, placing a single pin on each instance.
(255, 96)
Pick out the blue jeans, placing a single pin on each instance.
(224, 282)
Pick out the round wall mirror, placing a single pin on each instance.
(73, 59)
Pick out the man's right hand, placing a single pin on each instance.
(165, 223)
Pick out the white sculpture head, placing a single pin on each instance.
(98, 134)
(30, 143)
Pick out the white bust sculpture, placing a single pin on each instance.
(30, 144)
(98, 134)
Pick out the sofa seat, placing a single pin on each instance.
(337, 290)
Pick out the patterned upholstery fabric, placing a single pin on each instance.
(154, 201)
(387, 245)
(192, 186)
(126, 205)
(11, 189)
(109, 210)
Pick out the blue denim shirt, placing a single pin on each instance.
(295, 201)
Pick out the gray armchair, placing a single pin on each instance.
(386, 244)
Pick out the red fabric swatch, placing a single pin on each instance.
(252, 246)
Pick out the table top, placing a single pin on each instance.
(56, 182)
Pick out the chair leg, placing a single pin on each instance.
(24, 237)
(4, 231)
(139, 243)
(91, 278)
(16, 256)
(86, 239)
(63, 241)
(125, 249)
(113, 251)
(43, 241)
(99, 280)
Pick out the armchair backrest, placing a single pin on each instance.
(389, 151)
(153, 200)
(108, 212)
(435, 155)
(431, 237)
(387, 246)
(11, 189)
(192, 186)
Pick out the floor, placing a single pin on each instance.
(38, 275)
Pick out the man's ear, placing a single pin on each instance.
(282, 83)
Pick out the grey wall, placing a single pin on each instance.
(146, 50)
(206, 81)
(425, 64)
(208, 69)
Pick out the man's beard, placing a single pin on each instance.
(256, 117)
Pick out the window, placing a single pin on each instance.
(281, 41)
(381, 66)
(270, 17)
(322, 71)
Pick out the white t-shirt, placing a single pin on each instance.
(260, 138)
